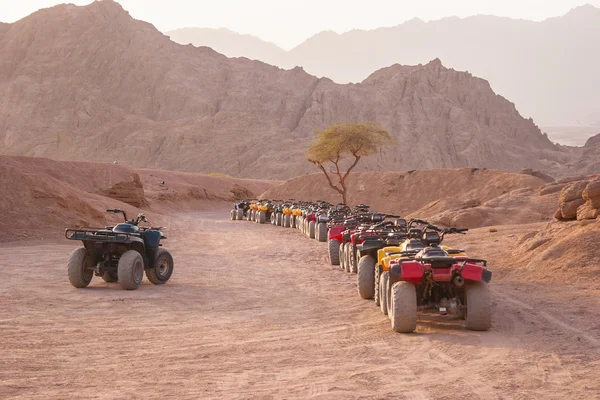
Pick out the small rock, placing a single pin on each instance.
(493, 230)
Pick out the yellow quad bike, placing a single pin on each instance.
(253, 211)
(264, 210)
(296, 216)
(287, 215)
(416, 241)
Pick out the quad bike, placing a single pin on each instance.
(253, 208)
(286, 215)
(416, 239)
(432, 279)
(119, 254)
(240, 211)
(321, 220)
(365, 247)
(335, 228)
(264, 211)
(296, 215)
(276, 215)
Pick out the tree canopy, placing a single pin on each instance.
(344, 141)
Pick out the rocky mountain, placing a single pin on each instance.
(589, 163)
(91, 83)
(547, 68)
(232, 44)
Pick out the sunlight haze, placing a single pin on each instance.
(288, 24)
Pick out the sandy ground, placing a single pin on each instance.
(256, 312)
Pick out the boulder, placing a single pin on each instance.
(586, 211)
(568, 209)
(592, 190)
(572, 191)
(130, 192)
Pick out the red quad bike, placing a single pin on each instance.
(433, 280)
(335, 228)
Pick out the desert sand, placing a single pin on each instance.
(256, 312)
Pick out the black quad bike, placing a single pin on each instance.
(119, 254)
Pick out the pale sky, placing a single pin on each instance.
(288, 23)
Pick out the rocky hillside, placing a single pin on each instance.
(91, 83)
(466, 197)
(42, 197)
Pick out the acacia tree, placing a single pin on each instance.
(337, 145)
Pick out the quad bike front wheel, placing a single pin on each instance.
(80, 268)
(240, 214)
(366, 277)
(262, 217)
(130, 270)
(341, 256)
(233, 215)
(347, 250)
(334, 252)
(479, 307)
(403, 308)
(383, 297)
(322, 232)
(163, 268)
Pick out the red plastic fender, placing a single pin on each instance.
(412, 271)
(335, 233)
(472, 272)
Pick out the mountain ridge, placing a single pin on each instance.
(92, 83)
(517, 56)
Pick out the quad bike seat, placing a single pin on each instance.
(413, 244)
(437, 257)
(431, 238)
(126, 228)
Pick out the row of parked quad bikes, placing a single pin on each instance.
(400, 264)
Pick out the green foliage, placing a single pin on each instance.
(342, 141)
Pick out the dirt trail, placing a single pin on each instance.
(256, 312)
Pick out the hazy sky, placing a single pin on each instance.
(288, 23)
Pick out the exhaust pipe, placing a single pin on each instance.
(459, 281)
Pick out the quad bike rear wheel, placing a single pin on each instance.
(279, 219)
(262, 217)
(286, 221)
(232, 215)
(240, 214)
(403, 307)
(383, 283)
(334, 252)
(130, 270)
(366, 277)
(80, 268)
(292, 221)
(342, 257)
(322, 232)
(110, 277)
(479, 307)
(163, 268)
(311, 229)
